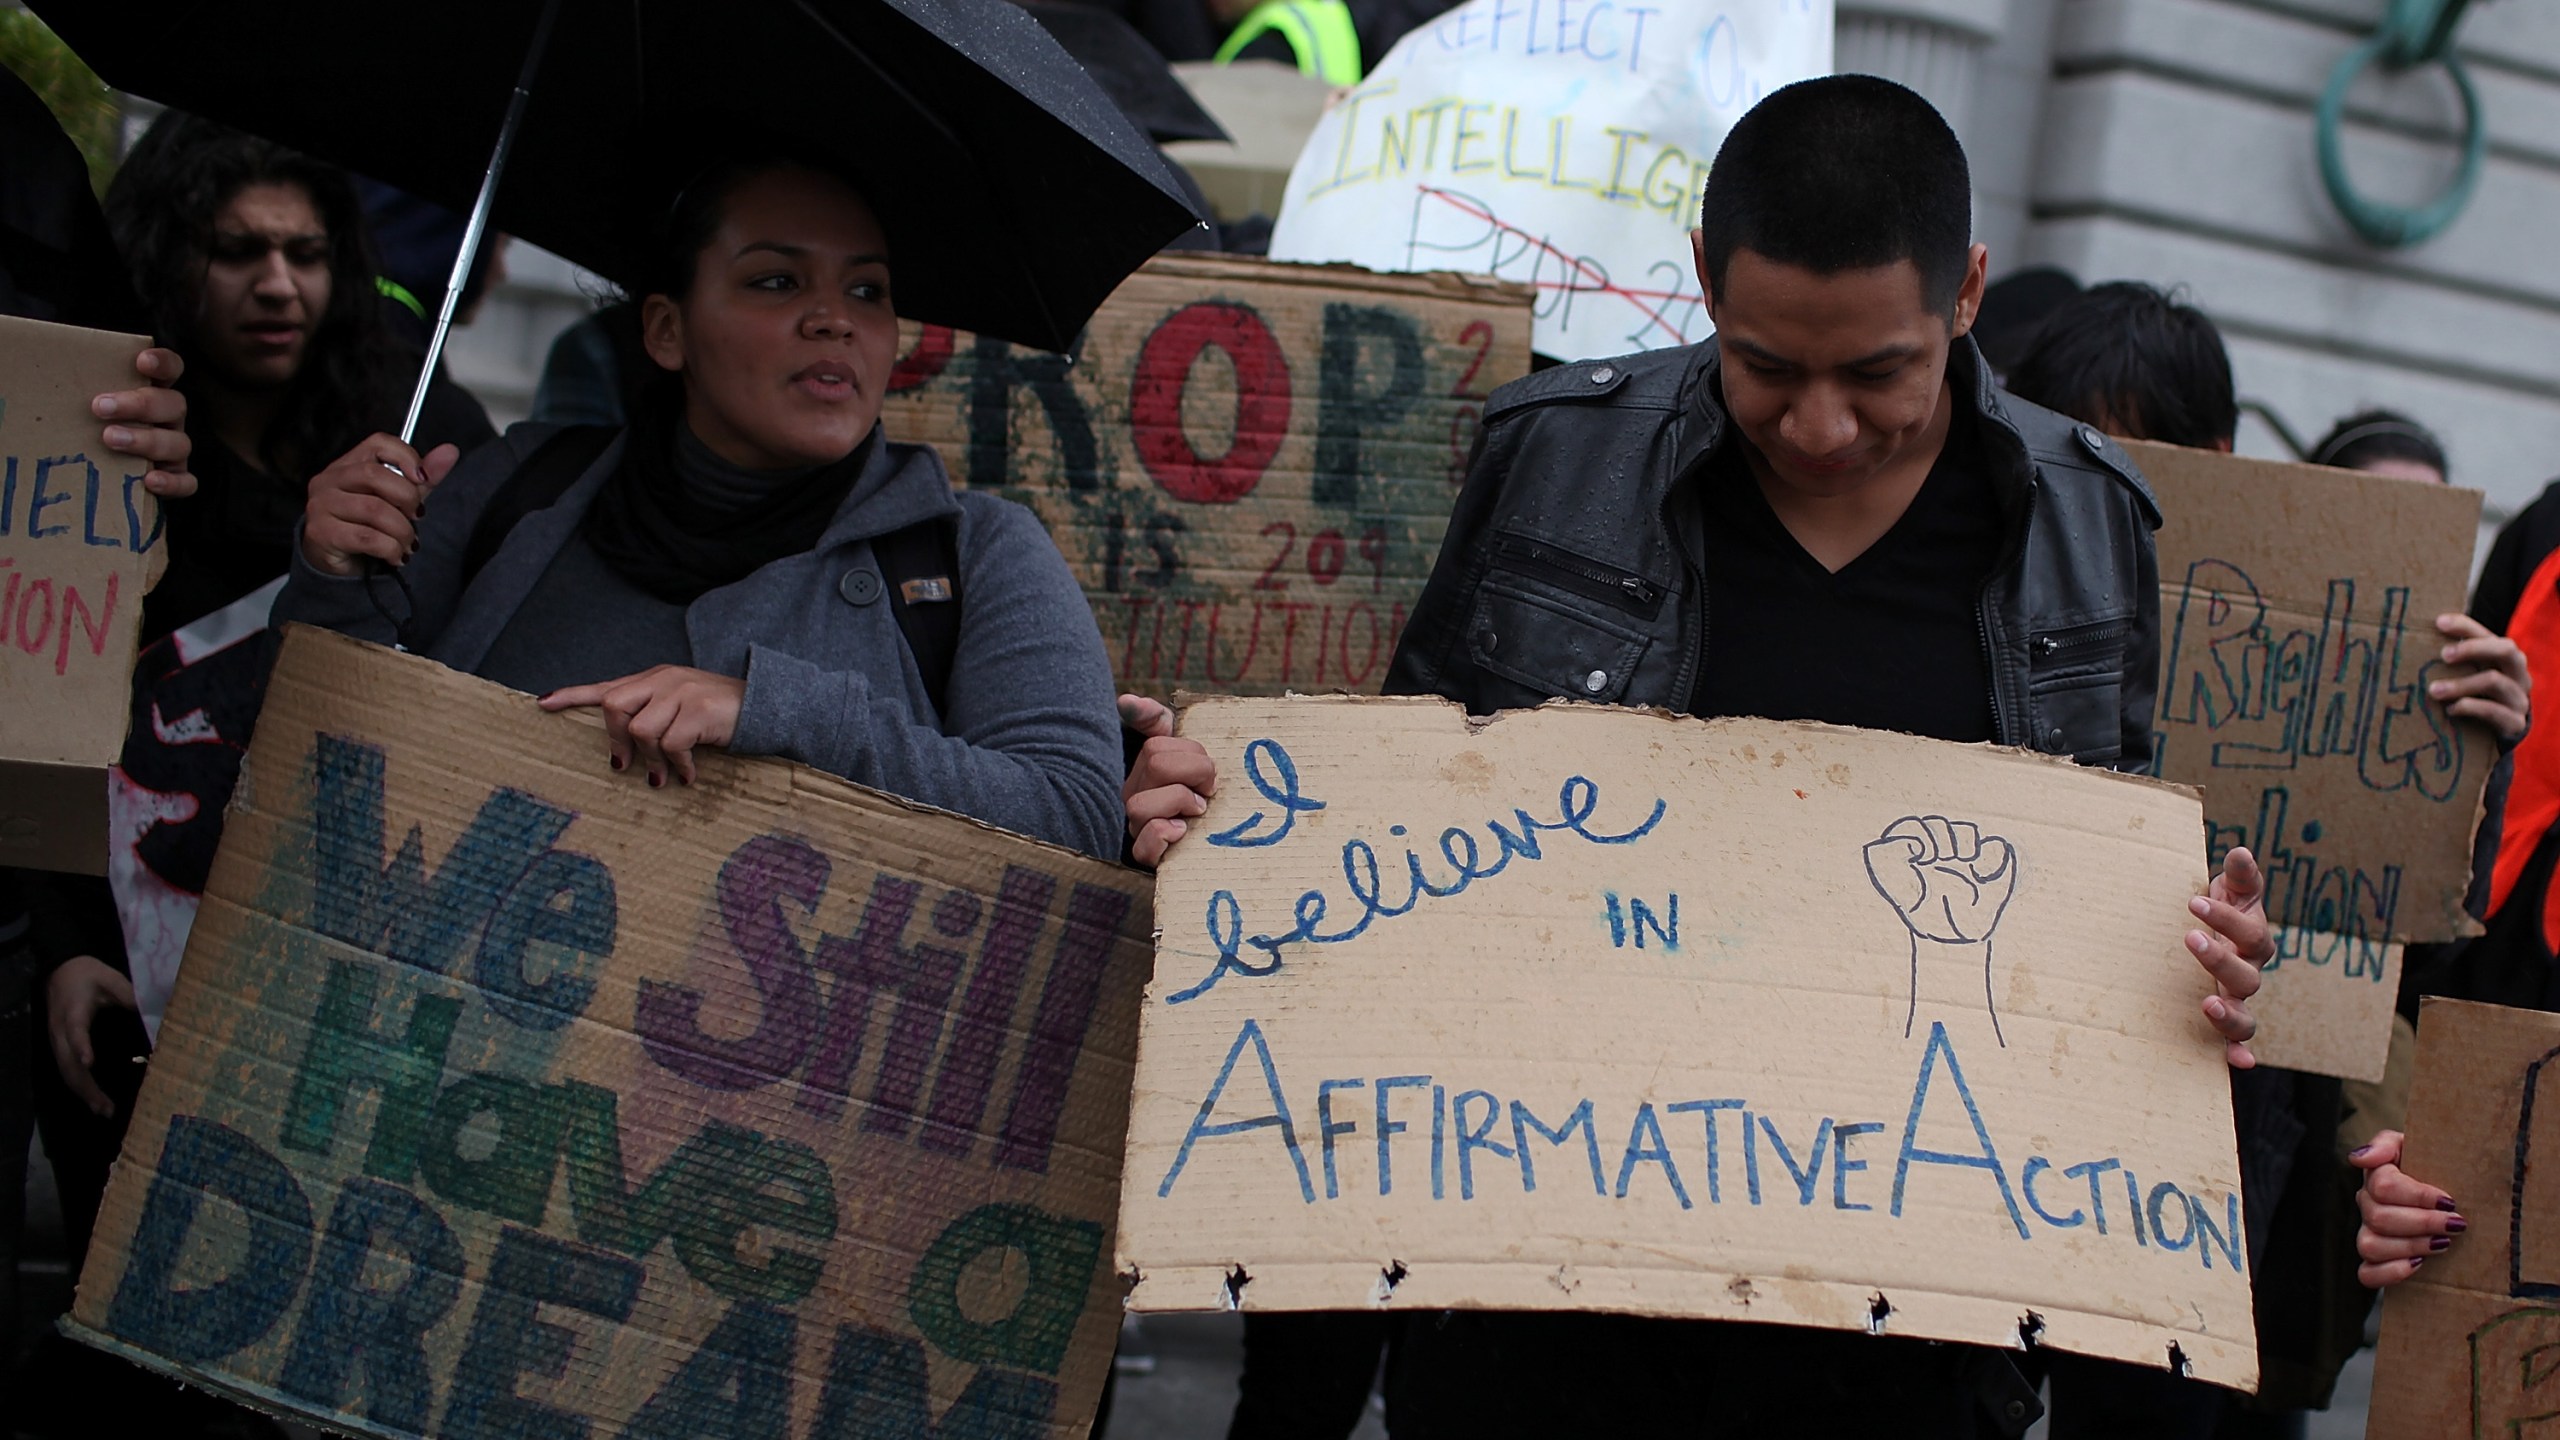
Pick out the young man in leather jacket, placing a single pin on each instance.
(1828, 512)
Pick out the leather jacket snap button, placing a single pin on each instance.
(1596, 681)
(1489, 640)
(2053, 740)
(2091, 440)
(859, 587)
(1604, 375)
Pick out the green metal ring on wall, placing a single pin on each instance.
(2397, 225)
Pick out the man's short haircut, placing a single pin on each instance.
(2370, 435)
(2129, 359)
(1848, 172)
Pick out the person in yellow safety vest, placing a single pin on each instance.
(1319, 33)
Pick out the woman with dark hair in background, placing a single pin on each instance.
(2383, 442)
(251, 260)
(750, 564)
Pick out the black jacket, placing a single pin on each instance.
(1573, 565)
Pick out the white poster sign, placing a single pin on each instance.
(1563, 143)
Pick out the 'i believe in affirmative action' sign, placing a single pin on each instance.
(1589, 1009)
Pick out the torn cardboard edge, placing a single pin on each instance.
(789, 777)
(1183, 700)
(260, 1398)
(1464, 285)
(1398, 1285)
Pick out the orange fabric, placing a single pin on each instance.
(2533, 792)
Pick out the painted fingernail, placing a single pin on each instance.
(2447, 1206)
(2359, 1152)
(2414, 1264)
(2201, 906)
(2440, 1244)
(656, 780)
(118, 436)
(616, 761)
(2456, 1225)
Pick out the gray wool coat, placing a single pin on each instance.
(1031, 742)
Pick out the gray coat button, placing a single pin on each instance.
(2053, 740)
(2091, 440)
(859, 586)
(1604, 374)
(1596, 681)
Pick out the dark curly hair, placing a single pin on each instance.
(2131, 356)
(161, 207)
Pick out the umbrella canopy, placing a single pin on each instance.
(1014, 192)
(1129, 70)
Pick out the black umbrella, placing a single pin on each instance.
(1132, 72)
(1014, 193)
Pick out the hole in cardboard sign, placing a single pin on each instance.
(1389, 1279)
(1879, 1310)
(1237, 1279)
(1743, 1291)
(2030, 1330)
(2179, 1365)
(992, 1285)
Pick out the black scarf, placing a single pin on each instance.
(655, 533)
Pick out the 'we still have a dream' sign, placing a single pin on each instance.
(1589, 1009)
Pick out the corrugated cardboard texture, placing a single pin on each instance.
(769, 1107)
(79, 546)
(2467, 1342)
(1605, 1010)
(2297, 638)
(1249, 465)
(2319, 1008)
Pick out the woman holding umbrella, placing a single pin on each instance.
(750, 565)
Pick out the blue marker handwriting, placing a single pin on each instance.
(1460, 1141)
(1274, 775)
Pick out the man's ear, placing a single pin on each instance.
(1698, 262)
(662, 332)
(1977, 276)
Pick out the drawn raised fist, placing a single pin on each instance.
(1949, 882)
(1947, 879)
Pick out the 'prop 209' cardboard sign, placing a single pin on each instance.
(1591, 1009)
(503, 1096)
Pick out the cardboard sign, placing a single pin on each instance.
(1564, 143)
(79, 547)
(2326, 1005)
(2467, 1341)
(1594, 1009)
(503, 1095)
(2297, 639)
(1249, 465)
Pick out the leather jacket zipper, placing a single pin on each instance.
(1567, 571)
(2053, 643)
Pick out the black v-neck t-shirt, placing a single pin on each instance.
(1891, 641)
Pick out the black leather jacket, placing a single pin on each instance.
(1574, 561)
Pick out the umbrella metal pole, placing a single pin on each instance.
(479, 224)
